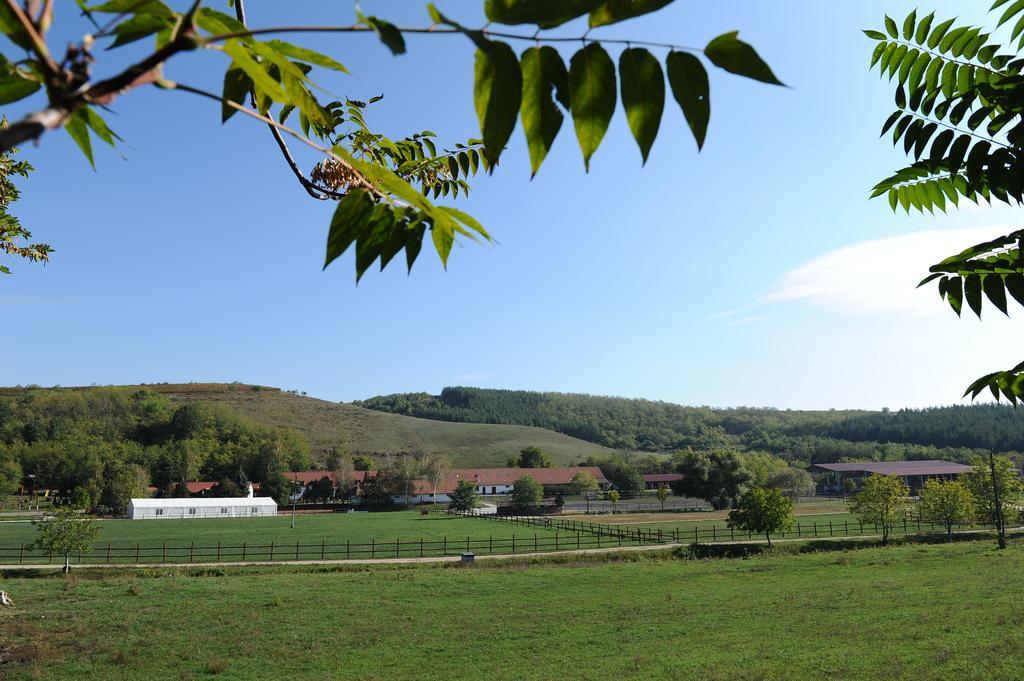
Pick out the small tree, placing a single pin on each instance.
(946, 503)
(995, 486)
(435, 468)
(463, 497)
(362, 463)
(526, 493)
(762, 511)
(583, 483)
(614, 497)
(534, 457)
(65, 532)
(663, 492)
(882, 500)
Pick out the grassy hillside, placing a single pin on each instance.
(329, 424)
(913, 612)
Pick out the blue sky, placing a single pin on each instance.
(753, 273)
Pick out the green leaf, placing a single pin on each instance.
(939, 33)
(891, 27)
(643, 95)
(923, 27)
(592, 94)
(1015, 285)
(387, 32)
(350, 217)
(218, 23)
(955, 294)
(373, 238)
(543, 71)
(542, 13)
(236, 88)
(78, 128)
(133, 7)
(908, 25)
(261, 79)
(306, 55)
(614, 11)
(14, 87)
(735, 56)
(443, 237)
(138, 27)
(874, 35)
(995, 291)
(689, 82)
(972, 291)
(98, 125)
(497, 93)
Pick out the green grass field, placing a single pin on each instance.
(338, 530)
(923, 612)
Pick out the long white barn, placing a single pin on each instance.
(206, 507)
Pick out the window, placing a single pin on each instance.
(191, 511)
(159, 511)
(223, 509)
(255, 510)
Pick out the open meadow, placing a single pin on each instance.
(336, 535)
(904, 612)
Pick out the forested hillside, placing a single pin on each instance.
(805, 436)
(103, 445)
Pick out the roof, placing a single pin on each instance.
(195, 502)
(494, 477)
(662, 477)
(929, 467)
(200, 486)
(307, 477)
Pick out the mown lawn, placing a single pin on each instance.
(909, 612)
(336, 530)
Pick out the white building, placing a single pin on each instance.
(206, 507)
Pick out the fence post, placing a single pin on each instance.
(348, 549)
(165, 552)
(296, 549)
(830, 528)
(815, 528)
(490, 544)
(535, 542)
(513, 542)
(108, 552)
(191, 551)
(398, 545)
(556, 540)
(421, 547)
(798, 528)
(243, 551)
(444, 546)
(714, 534)
(271, 550)
(218, 550)
(696, 539)
(21, 552)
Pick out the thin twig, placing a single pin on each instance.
(308, 185)
(359, 28)
(364, 183)
(38, 44)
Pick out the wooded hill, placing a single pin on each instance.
(955, 432)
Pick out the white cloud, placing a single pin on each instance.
(878, 276)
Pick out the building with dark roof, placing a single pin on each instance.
(833, 476)
(653, 480)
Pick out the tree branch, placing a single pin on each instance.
(310, 188)
(38, 44)
(360, 28)
(363, 182)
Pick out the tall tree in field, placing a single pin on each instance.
(534, 457)
(719, 476)
(65, 531)
(527, 493)
(959, 96)
(662, 494)
(997, 491)
(584, 483)
(384, 189)
(435, 468)
(883, 501)
(762, 511)
(464, 497)
(947, 503)
(344, 474)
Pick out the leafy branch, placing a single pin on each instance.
(372, 177)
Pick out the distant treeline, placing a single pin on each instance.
(102, 446)
(956, 432)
